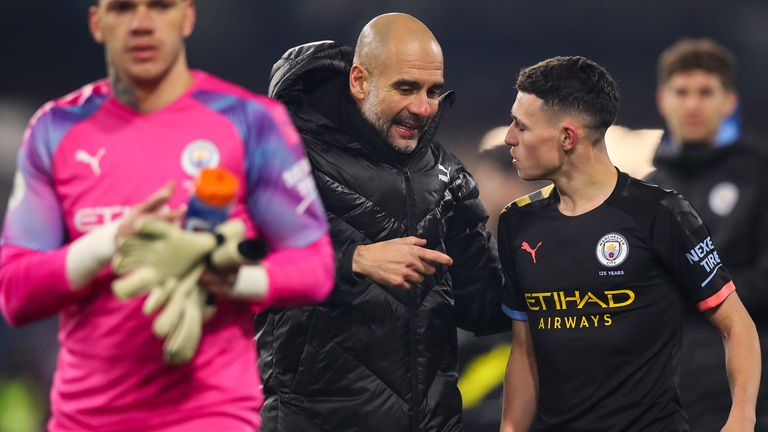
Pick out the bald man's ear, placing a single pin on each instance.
(359, 81)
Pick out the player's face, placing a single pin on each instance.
(143, 39)
(533, 136)
(403, 95)
(694, 104)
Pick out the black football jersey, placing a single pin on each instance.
(602, 294)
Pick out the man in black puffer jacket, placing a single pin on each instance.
(414, 259)
(725, 179)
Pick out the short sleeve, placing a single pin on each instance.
(513, 303)
(684, 243)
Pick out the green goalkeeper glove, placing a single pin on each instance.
(180, 322)
(160, 250)
(167, 261)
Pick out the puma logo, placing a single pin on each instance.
(447, 173)
(92, 161)
(526, 247)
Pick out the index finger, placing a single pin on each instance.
(434, 256)
(410, 240)
(157, 199)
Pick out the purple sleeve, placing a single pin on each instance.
(34, 217)
(33, 282)
(282, 197)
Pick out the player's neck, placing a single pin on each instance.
(149, 96)
(585, 186)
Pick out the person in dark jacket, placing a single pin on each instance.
(414, 259)
(703, 158)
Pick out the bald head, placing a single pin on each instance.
(389, 33)
(397, 78)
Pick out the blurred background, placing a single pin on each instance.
(46, 52)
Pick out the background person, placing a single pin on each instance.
(724, 177)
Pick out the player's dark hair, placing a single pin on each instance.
(703, 54)
(574, 84)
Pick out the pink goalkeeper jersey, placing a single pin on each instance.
(85, 159)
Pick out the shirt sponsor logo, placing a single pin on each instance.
(93, 161)
(526, 247)
(723, 198)
(612, 249)
(705, 255)
(574, 322)
(19, 190)
(199, 154)
(299, 177)
(559, 300)
(599, 303)
(88, 218)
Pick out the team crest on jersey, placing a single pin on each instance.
(612, 249)
(19, 189)
(199, 154)
(723, 198)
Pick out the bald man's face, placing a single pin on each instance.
(402, 92)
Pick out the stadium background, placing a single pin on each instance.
(46, 51)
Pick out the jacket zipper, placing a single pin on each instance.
(410, 207)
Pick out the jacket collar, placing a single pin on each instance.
(692, 156)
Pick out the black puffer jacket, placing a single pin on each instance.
(374, 358)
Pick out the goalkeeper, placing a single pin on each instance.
(85, 169)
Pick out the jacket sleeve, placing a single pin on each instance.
(344, 236)
(476, 271)
(345, 240)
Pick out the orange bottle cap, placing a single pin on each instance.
(216, 187)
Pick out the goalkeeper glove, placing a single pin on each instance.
(160, 250)
(180, 322)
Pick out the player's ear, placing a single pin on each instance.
(660, 102)
(190, 17)
(94, 24)
(731, 102)
(569, 135)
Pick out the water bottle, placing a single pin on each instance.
(212, 200)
